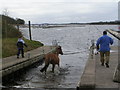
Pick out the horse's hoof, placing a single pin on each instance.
(41, 71)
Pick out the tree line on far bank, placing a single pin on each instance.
(106, 23)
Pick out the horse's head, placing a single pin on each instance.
(59, 50)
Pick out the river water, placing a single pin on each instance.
(75, 42)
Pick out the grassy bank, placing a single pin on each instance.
(9, 47)
(10, 36)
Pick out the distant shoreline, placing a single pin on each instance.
(44, 26)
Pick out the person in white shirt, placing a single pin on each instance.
(20, 46)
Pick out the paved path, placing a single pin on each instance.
(104, 76)
(97, 76)
(13, 60)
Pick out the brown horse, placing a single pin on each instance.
(52, 58)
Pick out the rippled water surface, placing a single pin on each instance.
(75, 42)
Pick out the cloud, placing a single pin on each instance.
(39, 11)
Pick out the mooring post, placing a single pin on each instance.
(30, 30)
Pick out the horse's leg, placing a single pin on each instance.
(58, 67)
(53, 66)
(44, 68)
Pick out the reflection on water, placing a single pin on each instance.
(75, 42)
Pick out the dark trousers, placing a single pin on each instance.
(20, 50)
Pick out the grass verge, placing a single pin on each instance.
(9, 47)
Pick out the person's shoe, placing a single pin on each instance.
(22, 56)
(107, 65)
(17, 56)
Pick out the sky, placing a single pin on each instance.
(61, 11)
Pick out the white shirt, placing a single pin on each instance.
(20, 40)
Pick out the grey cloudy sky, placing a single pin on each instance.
(61, 11)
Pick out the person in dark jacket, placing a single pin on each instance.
(104, 42)
(20, 46)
